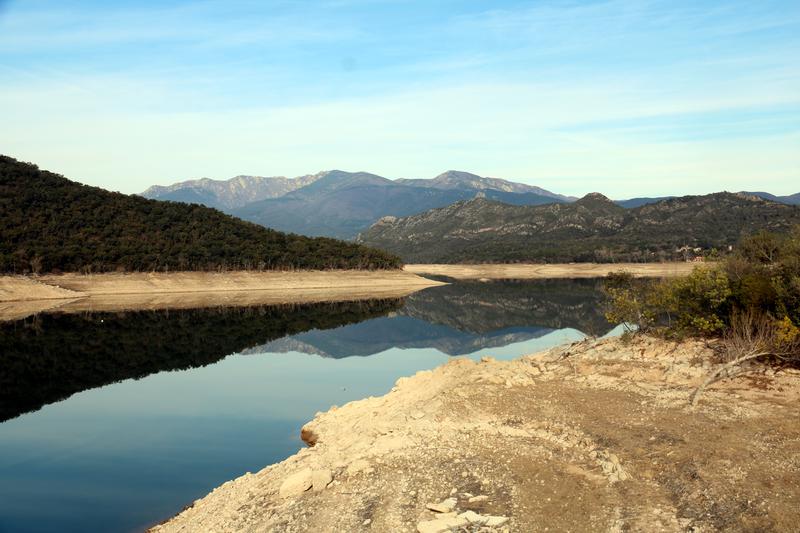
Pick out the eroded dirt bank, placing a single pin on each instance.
(21, 295)
(596, 436)
(549, 271)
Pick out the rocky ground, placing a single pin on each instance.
(596, 436)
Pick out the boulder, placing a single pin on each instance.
(297, 483)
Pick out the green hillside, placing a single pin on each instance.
(52, 224)
(591, 229)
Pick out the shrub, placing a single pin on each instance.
(750, 299)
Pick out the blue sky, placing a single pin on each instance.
(629, 98)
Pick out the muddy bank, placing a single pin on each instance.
(21, 296)
(597, 436)
(542, 271)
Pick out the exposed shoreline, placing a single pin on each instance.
(594, 436)
(23, 295)
(552, 270)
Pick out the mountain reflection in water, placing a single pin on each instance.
(48, 357)
(462, 318)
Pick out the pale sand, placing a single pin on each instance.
(22, 296)
(543, 271)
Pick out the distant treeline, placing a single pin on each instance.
(51, 224)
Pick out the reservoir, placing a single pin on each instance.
(117, 421)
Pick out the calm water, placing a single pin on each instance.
(113, 422)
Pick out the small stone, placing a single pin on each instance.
(474, 518)
(320, 479)
(496, 521)
(444, 507)
(366, 522)
(478, 499)
(296, 484)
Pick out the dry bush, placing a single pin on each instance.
(754, 336)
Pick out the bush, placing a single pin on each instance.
(751, 300)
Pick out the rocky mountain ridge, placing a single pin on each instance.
(591, 229)
(229, 194)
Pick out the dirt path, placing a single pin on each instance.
(591, 437)
(541, 271)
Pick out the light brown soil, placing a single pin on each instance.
(21, 296)
(596, 436)
(541, 271)
(18, 288)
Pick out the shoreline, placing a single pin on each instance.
(22, 296)
(592, 436)
(71, 285)
(548, 270)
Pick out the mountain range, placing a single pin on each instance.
(343, 204)
(591, 229)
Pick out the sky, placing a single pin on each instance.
(629, 98)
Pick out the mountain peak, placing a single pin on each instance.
(594, 198)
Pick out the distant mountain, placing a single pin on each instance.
(50, 223)
(228, 194)
(639, 202)
(592, 229)
(792, 199)
(454, 179)
(342, 204)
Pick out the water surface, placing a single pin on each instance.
(113, 422)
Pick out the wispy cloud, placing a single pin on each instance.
(663, 97)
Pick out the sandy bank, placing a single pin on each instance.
(22, 296)
(541, 271)
(596, 436)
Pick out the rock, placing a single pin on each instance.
(474, 518)
(496, 521)
(320, 479)
(441, 525)
(444, 507)
(308, 436)
(478, 499)
(296, 484)
(366, 522)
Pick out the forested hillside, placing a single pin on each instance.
(591, 229)
(52, 224)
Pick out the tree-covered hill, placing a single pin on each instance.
(591, 229)
(52, 224)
